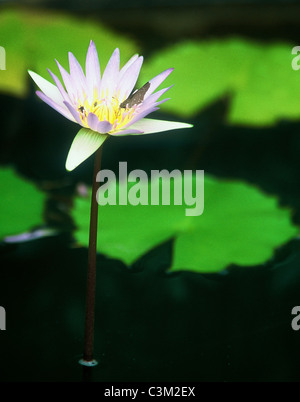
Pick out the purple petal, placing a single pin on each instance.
(68, 82)
(77, 75)
(50, 90)
(92, 70)
(92, 121)
(28, 236)
(110, 75)
(59, 86)
(74, 113)
(139, 116)
(150, 105)
(54, 105)
(156, 81)
(154, 97)
(104, 127)
(128, 81)
(127, 65)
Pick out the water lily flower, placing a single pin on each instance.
(104, 105)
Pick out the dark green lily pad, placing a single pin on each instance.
(21, 204)
(258, 78)
(239, 225)
(32, 40)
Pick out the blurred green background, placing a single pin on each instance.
(225, 314)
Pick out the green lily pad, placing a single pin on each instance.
(239, 225)
(258, 79)
(32, 40)
(21, 204)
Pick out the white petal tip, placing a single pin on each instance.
(74, 159)
(70, 166)
(149, 126)
(33, 75)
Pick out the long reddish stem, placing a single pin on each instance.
(88, 358)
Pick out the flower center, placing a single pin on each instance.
(106, 109)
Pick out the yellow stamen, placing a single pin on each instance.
(106, 109)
